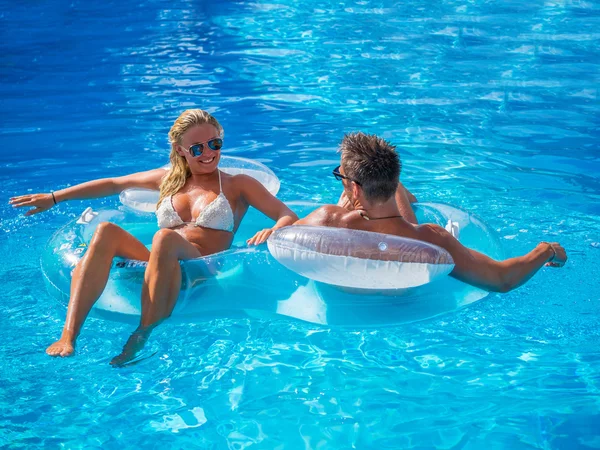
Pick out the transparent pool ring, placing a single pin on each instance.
(249, 282)
(145, 200)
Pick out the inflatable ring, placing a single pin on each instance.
(244, 281)
(358, 259)
(145, 200)
(203, 278)
(366, 260)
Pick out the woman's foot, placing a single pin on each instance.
(132, 347)
(65, 346)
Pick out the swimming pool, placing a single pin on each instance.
(495, 108)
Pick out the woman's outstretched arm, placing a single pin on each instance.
(92, 189)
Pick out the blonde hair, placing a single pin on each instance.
(180, 170)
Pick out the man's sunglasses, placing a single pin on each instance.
(338, 176)
(198, 148)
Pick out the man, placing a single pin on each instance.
(369, 172)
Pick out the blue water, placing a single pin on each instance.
(495, 108)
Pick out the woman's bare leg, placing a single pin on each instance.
(162, 284)
(90, 277)
(162, 281)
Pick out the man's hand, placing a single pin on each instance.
(344, 202)
(560, 255)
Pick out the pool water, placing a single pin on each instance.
(494, 108)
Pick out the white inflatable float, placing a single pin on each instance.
(358, 259)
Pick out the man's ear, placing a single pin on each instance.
(356, 191)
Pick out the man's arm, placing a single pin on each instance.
(403, 201)
(411, 197)
(481, 271)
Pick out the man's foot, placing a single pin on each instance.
(63, 347)
(134, 344)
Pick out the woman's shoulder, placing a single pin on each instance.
(240, 181)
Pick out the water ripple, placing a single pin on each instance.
(494, 108)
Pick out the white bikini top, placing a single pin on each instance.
(216, 215)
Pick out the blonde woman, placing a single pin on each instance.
(198, 211)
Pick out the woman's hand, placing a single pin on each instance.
(39, 202)
(260, 237)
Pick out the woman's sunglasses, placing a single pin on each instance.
(197, 149)
(338, 176)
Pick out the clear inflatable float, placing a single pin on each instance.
(249, 281)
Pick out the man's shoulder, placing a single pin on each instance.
(332, 212)
(327, 215)
(332, 209)
(432, 233)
